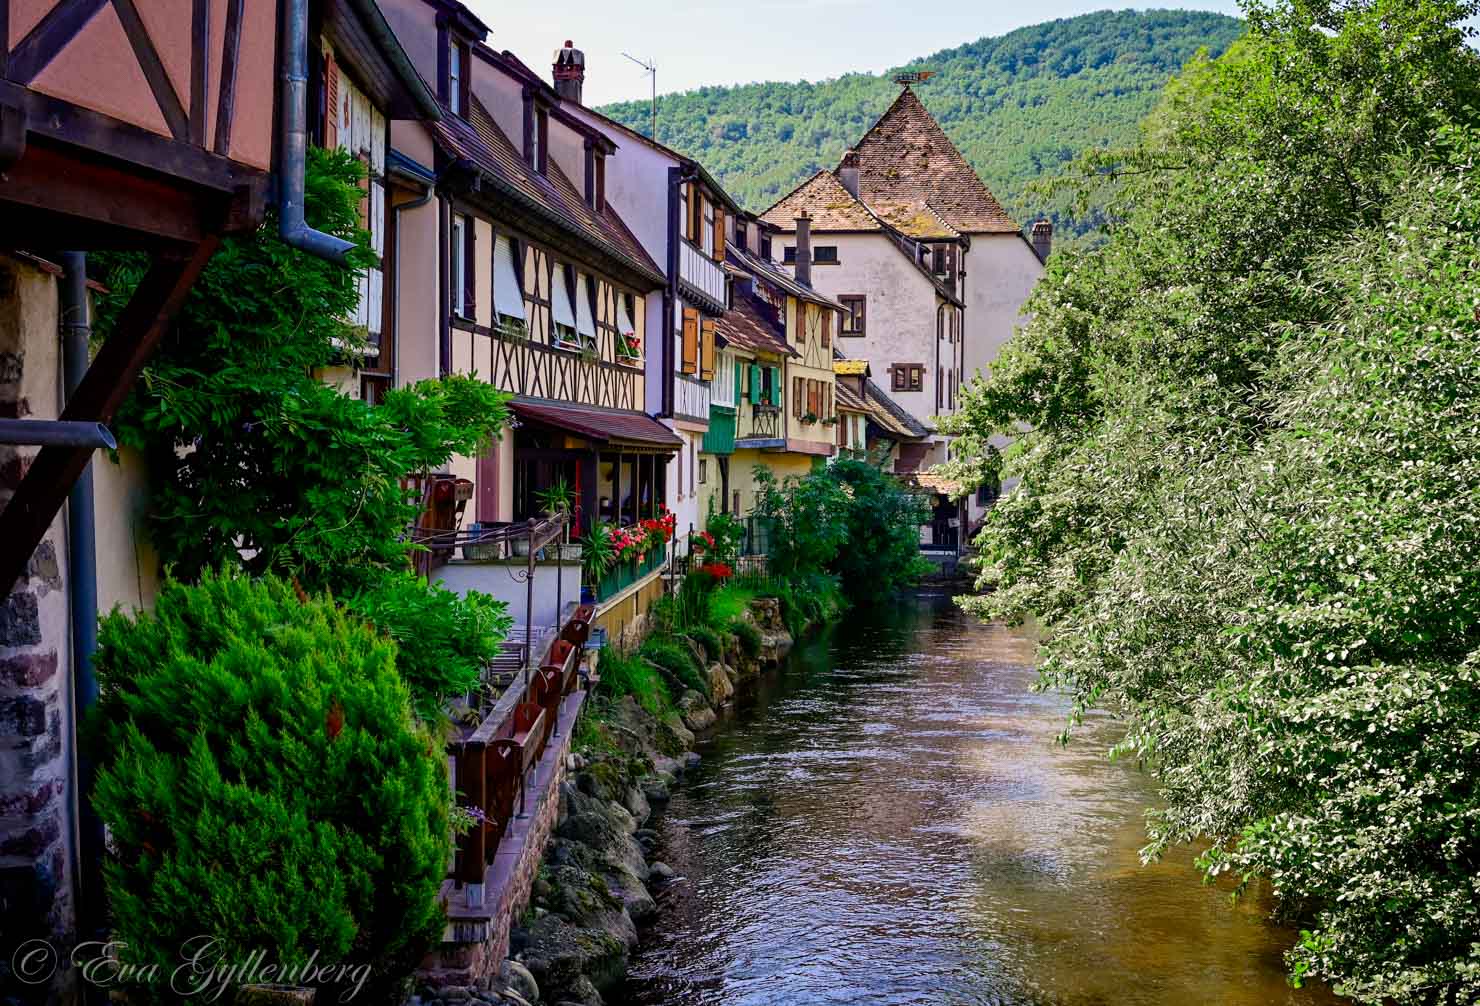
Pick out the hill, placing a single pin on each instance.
(1018, 106)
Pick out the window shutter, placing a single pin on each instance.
(737, 383)
(826, 328)
(690, 340)
(719, 233)
(470, 268)
(775, 385)
(706, 354)
(331, 102)
(693, 213)
(755, 383)
(796, 397)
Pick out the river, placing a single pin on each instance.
(889, 822)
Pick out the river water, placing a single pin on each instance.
(889, 822)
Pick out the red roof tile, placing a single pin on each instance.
(831, 207)
(594, 423)
(752, 324)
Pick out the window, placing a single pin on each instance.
(508, 295)
(458, 266)
(562, 312)
(703, 470)
(457, 94)
(766, 246)
(908, 377)
(938, 260)
(825, 255)
(789, 254)
(854, 312)
(740, 235)
(708, 234)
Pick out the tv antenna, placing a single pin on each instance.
(652, 71)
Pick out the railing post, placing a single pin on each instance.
(529, 604)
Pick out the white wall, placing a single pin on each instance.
(1000, 272)
(901, 325)
(493, 578)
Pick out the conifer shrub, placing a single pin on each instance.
(265, 782)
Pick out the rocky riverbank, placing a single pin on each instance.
(598, 878)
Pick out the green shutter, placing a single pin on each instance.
(776, 397)
(755, 383)
(737, 382)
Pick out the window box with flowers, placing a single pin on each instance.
(809, 417)
(636, 551)
(629, 349)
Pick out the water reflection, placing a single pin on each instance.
(890, 823)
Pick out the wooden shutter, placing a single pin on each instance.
(755, 384)
(826, 328)
(737, 383)
(695, 207)
(331, 102)
(470, 268)
(487, 507)
(706, 350)
(775, 385)
(796, 397)
(719, 233)
(690, 340)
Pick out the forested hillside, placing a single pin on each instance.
(1018, 106)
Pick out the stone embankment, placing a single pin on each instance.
(598, 878)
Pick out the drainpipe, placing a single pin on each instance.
(414, 204)
(293, 142)
(82, 591)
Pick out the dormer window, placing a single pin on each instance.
(456, 69)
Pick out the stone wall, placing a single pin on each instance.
(37, 845)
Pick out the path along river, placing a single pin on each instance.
(889, 822)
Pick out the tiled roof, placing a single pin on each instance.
(597, 424)
(848, 399)
(831, 207)
(892, 416)
(906, 159)
(769, 272)
(938, 484)
(752, 324)
(550, 195)
(852, 367)
(916, 219)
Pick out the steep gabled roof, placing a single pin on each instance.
(551, 196)
(907, 161)
(831, 207)
(768, 273)
(895, 419)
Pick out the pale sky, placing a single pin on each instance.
(741, 41)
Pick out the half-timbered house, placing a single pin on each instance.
(540, 288)
(154, 126)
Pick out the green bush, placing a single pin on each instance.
(622, 674)
(749, 637)
(265, 783)
(729, 603)
(443, 640)
(673, 656)
(707, 638)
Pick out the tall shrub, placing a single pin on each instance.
(264, 782)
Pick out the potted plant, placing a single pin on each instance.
(810, 417)
(597, 556)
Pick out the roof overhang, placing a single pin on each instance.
(603, 427)
(365, 43)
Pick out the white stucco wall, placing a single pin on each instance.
(1000, 272)
(900, 311)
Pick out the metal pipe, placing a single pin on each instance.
(56, 432)
(293, 155)
(82, 591)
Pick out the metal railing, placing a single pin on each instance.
(760, 422)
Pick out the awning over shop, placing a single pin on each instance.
(604, 426)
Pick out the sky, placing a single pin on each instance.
(703, 42)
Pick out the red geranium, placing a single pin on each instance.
(718, 570)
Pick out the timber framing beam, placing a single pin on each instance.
(144, 321)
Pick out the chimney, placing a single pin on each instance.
(848, 172)
(1043, 239)
(569, 72)
(804, 249)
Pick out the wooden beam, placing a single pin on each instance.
(144, 321)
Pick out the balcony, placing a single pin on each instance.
(691, 398)
(760, 426)
(701, 276)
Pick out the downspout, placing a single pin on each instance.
(414, 204)
(82, 596)
(293, 143)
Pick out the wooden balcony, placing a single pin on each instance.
(701, 276)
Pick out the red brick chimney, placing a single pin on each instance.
(569, 72)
